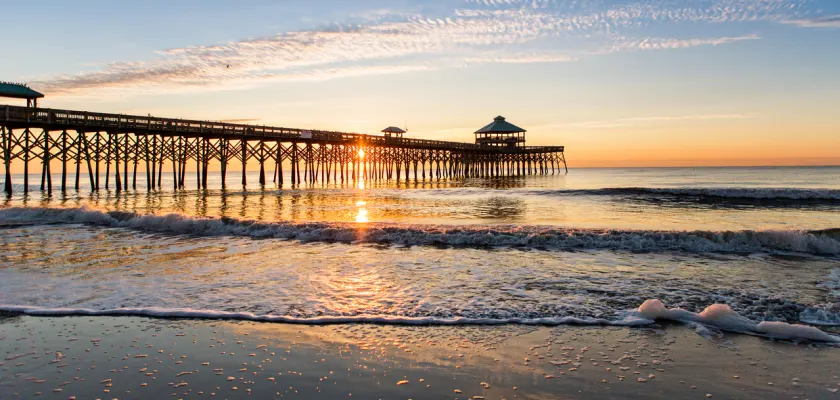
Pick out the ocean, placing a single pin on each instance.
(588, 247)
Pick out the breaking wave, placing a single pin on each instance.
(824, 242)
(765, 194)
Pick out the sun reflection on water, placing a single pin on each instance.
(360, 289)
(362, 212)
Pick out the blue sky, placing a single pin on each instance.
(620, 82)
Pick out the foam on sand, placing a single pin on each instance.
(717, 315)
(157, 312)
(721, 316)
(539, 237)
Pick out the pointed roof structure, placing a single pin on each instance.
(499, 125)
(500, 133)
(18, 91)
(393, 132)
(393, 129)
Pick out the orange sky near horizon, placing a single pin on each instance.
(696, 141)
(620, 83)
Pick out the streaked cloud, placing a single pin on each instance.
(648, 43)
(484, 31)
(525, 58)
(830, 21)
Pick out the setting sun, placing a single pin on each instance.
(361, 153)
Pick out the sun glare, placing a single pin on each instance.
(362, 213)
(362, 216)
(361, 153)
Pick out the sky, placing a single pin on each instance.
(618, 82)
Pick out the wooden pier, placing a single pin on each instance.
(114, 144)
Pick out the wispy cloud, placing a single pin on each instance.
(486, 31)
(648, 43)
(524, 58)
(830, 21)
(322, 74)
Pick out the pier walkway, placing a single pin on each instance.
(122, 142)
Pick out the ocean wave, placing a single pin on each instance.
(734, 193)
(716, 316)
(535, 237)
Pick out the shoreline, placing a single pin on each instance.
(714, 320)
(138, 357)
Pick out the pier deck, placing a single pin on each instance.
(81, 137)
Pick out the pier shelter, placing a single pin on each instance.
(500, 133)
(20, 91)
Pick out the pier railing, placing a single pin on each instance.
(72, 138)
(87, 121)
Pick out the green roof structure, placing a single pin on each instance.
(499, 125)
(500, 133)
(18, 91)
(393, 129)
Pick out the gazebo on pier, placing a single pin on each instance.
(393, 131)
(500, 133)
(20, 91)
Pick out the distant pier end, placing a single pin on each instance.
(89, 141)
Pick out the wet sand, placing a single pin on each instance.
(141, 358)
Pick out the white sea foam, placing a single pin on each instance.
(718, 316)
(832, 284)
(788, 194)
(826, 314)
(157, 312)
(723, 317)
(742, 193)
(747, 193)
(820, 315)
(477, 236)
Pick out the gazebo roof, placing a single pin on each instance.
(18, 91)
(393, 129)
(499, 125)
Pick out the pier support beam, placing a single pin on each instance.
(83, 136)
(244, 145)
(117, 179)
(223, 156)
(26, 151)
(261, 157)
(45, 171)
(64, 161)
(5, 140)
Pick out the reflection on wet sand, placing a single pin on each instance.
(187, 358)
